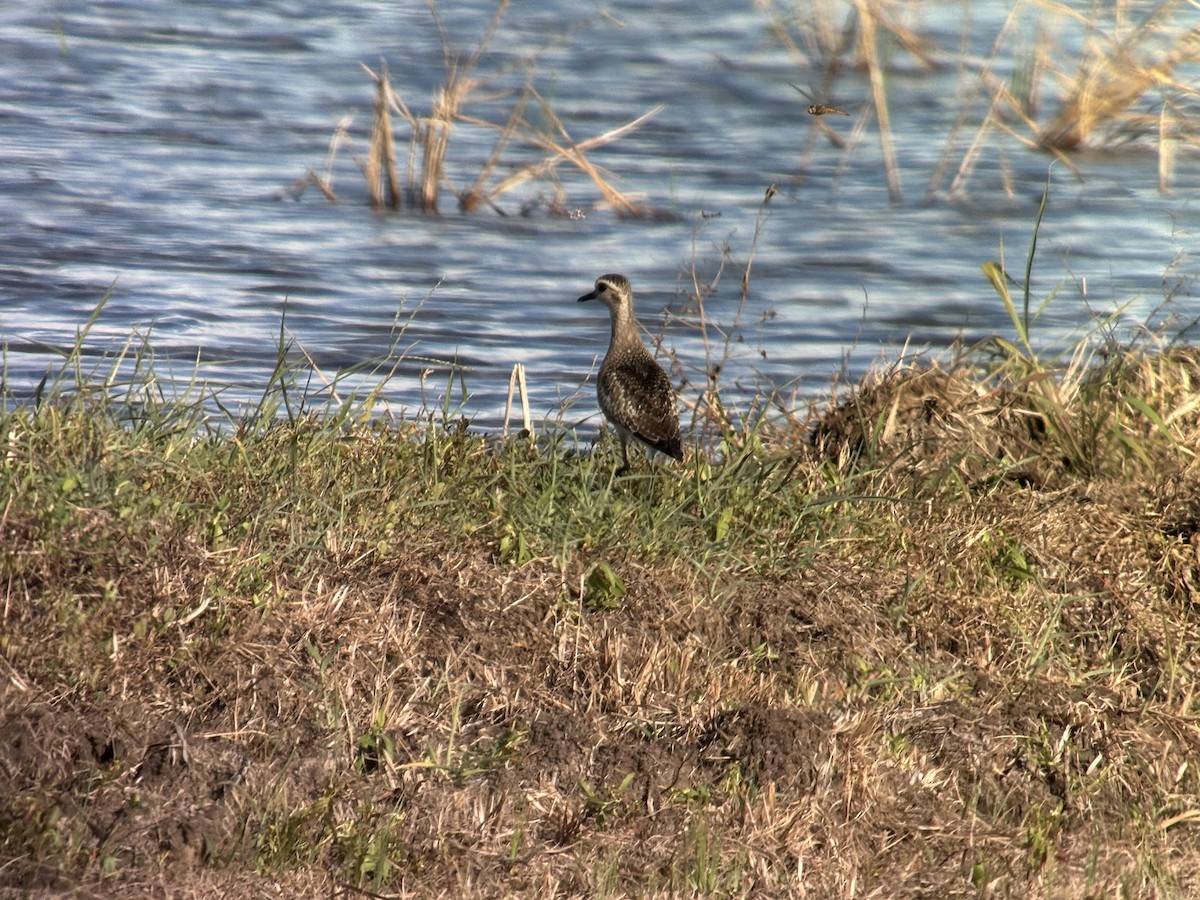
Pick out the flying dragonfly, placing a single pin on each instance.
(819, 109)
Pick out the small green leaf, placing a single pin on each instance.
(721, 527)
(978, 876)
(1146, 410)
(603, 588)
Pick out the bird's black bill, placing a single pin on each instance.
(591, 296)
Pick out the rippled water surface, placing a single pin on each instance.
(152, 152)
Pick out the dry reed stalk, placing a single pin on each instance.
(470, 199)
(1112, 79)
(432, 134)
(826, 42)
(448, 104)
(311, 177)
(450, 56)
(381, 156)
(414, 124)
(870, 48)
(993, 120)
(516, 385)
(965, 101)
(814, 32)
(1103, 91)
(1167, 148)
(430, 138)
(1112, 74)
(880, 14)
(324, 183)
(435, 136)
(573, 152)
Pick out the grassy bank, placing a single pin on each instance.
(942, 643)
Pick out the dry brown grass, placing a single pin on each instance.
(348, 659)
(560, 148)
(380, 168)
(930, 420)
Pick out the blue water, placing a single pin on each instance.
(151, 154)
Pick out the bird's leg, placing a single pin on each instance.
(624, 455)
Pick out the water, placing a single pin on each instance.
(150, 153)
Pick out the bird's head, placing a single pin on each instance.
(611, 290)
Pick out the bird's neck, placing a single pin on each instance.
(624, 329)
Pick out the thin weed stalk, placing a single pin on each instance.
(870, 46)
(718, 340)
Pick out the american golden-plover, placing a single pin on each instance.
(634, 392)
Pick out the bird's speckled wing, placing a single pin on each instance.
(635, 393)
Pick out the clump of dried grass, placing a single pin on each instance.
(1117, 70)
(1112, 75)
(1032, 424)
(929, 421)
(425, 172)
(1123, 87)
(1004, 411)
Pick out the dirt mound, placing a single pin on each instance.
(926, 420)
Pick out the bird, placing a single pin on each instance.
(635, 393)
